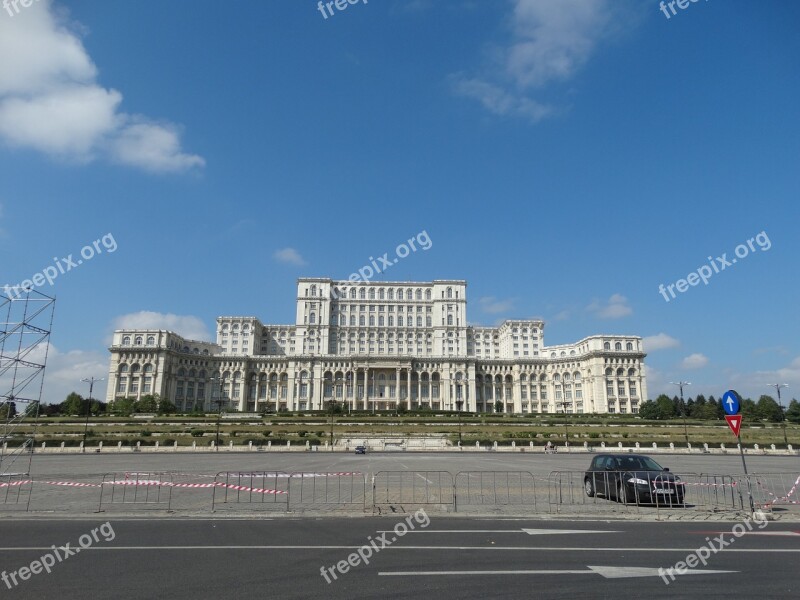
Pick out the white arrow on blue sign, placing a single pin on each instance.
(730, 402)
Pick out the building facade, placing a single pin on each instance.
(377, 346)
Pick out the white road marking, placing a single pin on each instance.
(549, 549)
(425, 478)
(607, 572)
(528, 531)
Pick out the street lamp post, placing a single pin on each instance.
(778, 387)
(564, 404)
(90, 381)
(683, 409)
(459, 405)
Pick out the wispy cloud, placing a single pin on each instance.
(661, 341)
(615, 308)
(184, 325)
(550, 41)
(694, 361)
(289, 256)
(493, 306)
(50, 101)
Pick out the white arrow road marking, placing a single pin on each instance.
(528, 531)
(779, 533)
(607, 572)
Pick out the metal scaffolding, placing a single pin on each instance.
(26, 320)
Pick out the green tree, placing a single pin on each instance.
(165, 407)
(769, 410)
(793, 412)
(666, 407)
(705, 411)
(73, 405)
(649, 410)
(8, 410)
(498, 407)
(147, 404)
(122, 406)
(749, 410)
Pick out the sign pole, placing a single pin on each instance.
(749, 485)
(731, 403)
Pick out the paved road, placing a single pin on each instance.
(46, 465)
(450, 558)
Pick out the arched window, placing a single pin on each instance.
(123, 369)
(391, 321)
(312, 319)
(391, 294)
(138, 341)
(606, 346)
(381, 294)
(313, 290)
(618, 346)
(372, 294)
(151, 340)
(361, 320)
(126, 340)
(353, 293)
(449, 319)
(419, 321)
(380, 321)
(449, 292)
(629, 346)
(362, 293)
(148, 368)
(400, 294)
(427, 294)
(419, 294)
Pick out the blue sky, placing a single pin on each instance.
(566, 157)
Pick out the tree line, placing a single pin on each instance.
(711, 409)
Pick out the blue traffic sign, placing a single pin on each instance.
(731, 403)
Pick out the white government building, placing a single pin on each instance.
(375, 346)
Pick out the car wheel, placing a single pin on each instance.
(588, 487)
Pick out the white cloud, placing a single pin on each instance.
(289, 256)
(694, 361)
(500, 101)
(661, 341)
(616, 308)
(63, 375)
(50, 100)
(187, 326)
(493, 306)
(551, 41)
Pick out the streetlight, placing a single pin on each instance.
(90, 381)
(218, 402)
(683, 409)
(459, 404)
(778, 387)
(331, 408)
(564, 404)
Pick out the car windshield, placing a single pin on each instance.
(639, 463)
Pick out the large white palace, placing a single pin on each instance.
(377, 346)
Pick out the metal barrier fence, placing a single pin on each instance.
(253, 490)
(771, 489)
(15, 492)
(325, 491)
(630, 490)
(495, 488)
(600, 492)
(152, 490)
(413, 488)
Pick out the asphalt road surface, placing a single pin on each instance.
(441, 557)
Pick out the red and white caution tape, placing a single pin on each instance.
(70, 483)
(15, 483)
